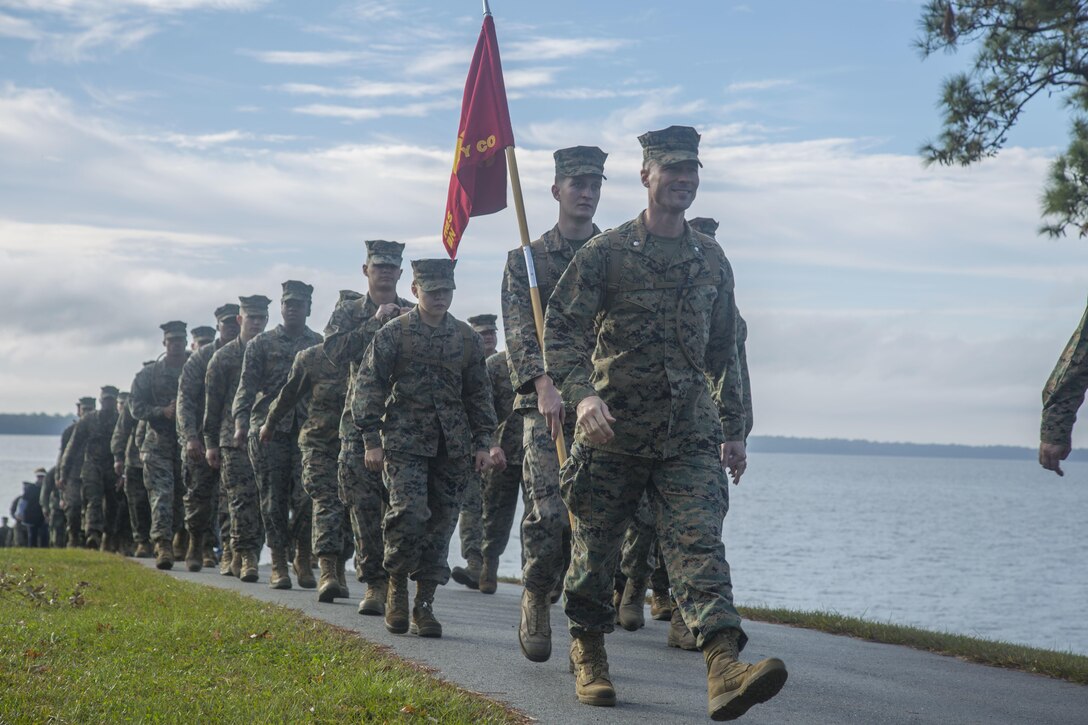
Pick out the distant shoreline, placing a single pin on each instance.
(46, 424)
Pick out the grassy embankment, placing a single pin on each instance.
(88, 637)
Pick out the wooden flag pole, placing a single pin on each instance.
(534, 291)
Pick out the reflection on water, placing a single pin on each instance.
(994, 549)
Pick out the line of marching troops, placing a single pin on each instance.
(373, 440)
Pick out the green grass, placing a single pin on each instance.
(1060, 665)
(90, 637)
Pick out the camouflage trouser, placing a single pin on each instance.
(278, 468)
(319, 479)
(470, 522)
(499, 497)
(117, 522)
(641, 557)
(164, 483)
(689, 499)
(201, 497)
(58, 537)
(546, 526)
(424, 500)
(72, 495)
(97, 480)
(367, 502)
(223, 515)
(139, 507)
(243, 500)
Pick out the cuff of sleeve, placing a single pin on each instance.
(574, 392)
(733, 429)
(210, 442)
(525, 378)
(372, 440)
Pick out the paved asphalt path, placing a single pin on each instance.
(832, 679)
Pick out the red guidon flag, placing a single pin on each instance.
(478, 181)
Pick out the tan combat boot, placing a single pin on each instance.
(280, 579)
(304, 570)
(590, 665)
(489, 576)
(247, 566)
(630, 614)
(396, 605)
(424, 622)
(93, 541)
(164, 554)
(328, 588)
(209, 551)
(734, 686)
(373, 603)
(468, 575)
(342, 577)
(679, 634)
(181, 543)
(661, 605)
(194, 556)
(228, 558)
(144, 551)
(535, 628)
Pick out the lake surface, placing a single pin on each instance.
(994, 549)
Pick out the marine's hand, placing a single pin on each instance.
(373, 459)
(194, 448)
(119, 468)
(594, 419)
(387, 312)
(240, 434)
(213, 458)
(1051, 455)
(120, 487)
(483, 462)
(550, 404)
(498, 459)
(168, 411)
(265, 434)
(734, 459)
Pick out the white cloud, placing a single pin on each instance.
(761, 85)
(309, 57)
(369, 89)
(369, 113)
(539, 49)
(13, 27)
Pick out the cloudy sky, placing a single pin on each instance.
(161, 157)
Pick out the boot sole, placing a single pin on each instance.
(249, 578)
(534, 657)
(428, 632)
(630, 626)
(461, 576)
(396, 628)
(488, 589)
(598, 700)
(371, 610)
(326, 596)
(194, 567)
(761, 688)
(282, 584)
(164, 565)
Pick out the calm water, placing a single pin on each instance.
(994, 549)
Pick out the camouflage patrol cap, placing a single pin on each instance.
(295, 290)
(203, 333)
(379, 251)
(483, 323)
(122, 396)
(704, 225)
(255, 304)
(174, 328)
(348, 295)
(39, 471)
(88, 402)
(432, 274)
(579, 161)
(228, 311)
(672, 145)
(109, 391)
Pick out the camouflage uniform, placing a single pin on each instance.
(71, 472)
(128, 437)
(50, 503)
(546, 526)
(349, 332)
(277, 465)
(154, 389)
(236, 471)
(202, 481)
(314, 378)
(665, 324)
(430, 409)
(1064, 391)
(500, 488)
(93, 432)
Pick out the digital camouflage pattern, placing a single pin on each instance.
(470, 522)
(201, 499)
(95, 430)
(265, 365)
(314, 377)
(128, 436)
(1064, 390)
(499, 492)
(236, 471)
(441, 399)
(660, 349)
(277, 466)
(71, 472)
(153, 389)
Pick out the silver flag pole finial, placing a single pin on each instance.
(487, 9)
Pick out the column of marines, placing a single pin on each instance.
(372, 444)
